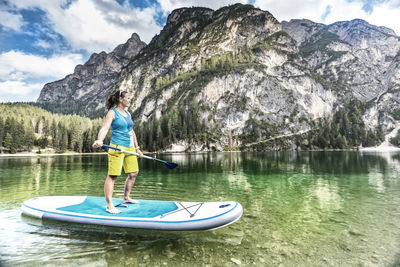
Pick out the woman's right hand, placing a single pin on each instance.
(97, 144)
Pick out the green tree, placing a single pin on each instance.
(43, 142)
(372, 139)
(2, 134)
(87, 141)
(8, 143)
(53, 134)
(19, 135)
(164, 127)
(64, 139)
(76, 134)
(29, 138)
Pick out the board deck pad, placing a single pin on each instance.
(144, 208)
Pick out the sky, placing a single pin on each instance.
(42, 41)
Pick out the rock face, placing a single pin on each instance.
(355, 60)
(91, 82)
(248, 78)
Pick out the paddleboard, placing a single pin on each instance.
(146, 214)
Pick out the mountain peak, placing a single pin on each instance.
(186, 13)
(197, 25)
(130, 48)
(93, 79)
(359, 24)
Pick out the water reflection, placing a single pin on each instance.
(327, 194)
(272, 162)
(27, 177)
(205, 172)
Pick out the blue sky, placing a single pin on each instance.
(43, 40)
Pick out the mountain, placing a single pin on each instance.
(238, 78)
(84, 91)
(355, 60)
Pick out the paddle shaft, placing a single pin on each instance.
(169, 165)
(136, 154)
(129, 152)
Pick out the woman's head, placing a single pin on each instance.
(118, 97)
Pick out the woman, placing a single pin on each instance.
(122, 136)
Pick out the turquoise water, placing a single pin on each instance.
(300, 208)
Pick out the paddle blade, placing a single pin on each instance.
(171, 165)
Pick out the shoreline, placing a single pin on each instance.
(33, 154)
(378, 149)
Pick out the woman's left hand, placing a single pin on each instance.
(140, 153)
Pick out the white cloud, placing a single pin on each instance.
(286, 10)
(20, 91)
(25, 66)
(22, 76)
(43, 44)
(11, 21)
(96, 25)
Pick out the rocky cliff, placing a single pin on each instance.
(236, 77)
(355, 60)
(90, 83)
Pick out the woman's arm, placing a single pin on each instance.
(135, 142)
(104, 130)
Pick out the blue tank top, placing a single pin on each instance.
(122, 129)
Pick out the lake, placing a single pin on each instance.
(300, 209)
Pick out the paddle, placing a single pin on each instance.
(170, 165)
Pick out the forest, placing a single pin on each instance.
(346, 129)
(24, 127)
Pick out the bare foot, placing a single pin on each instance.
(113, 210)
(129, 200)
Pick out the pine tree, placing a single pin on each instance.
(64, 140)
(19, 135)
(164, 126)
(86, 142)
(46, 127)
(159, 138)
(174, 125)
(29, 138)
(53, 134)
(2, 135)
(9, 126)
(75, 134)
(9, 143)
(43, 142)
(149, 136)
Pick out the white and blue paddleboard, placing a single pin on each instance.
(147, 214)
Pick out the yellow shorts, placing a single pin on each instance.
(117, 159)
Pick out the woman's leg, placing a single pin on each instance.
(130, 180)
(115, 161)
(108, 191)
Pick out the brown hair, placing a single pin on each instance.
(113, 99)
